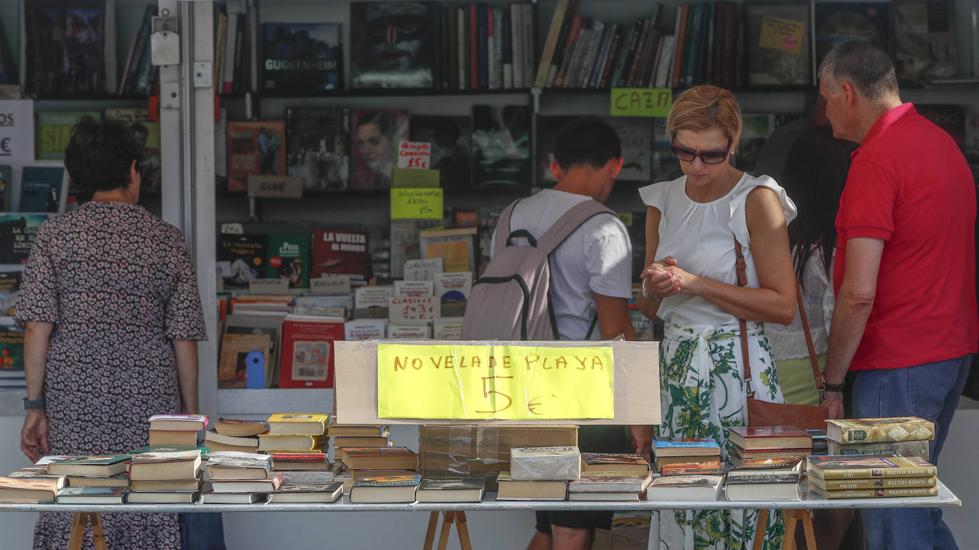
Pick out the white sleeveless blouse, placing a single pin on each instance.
(701, 238)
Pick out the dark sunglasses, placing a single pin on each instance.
(716, 156)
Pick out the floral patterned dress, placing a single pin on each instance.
(117, 283)
(703, 391)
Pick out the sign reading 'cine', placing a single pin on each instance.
(482, 382)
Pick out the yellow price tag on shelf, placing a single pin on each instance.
(641, 102)
(483, 382)
(416, 204)
(782, 34)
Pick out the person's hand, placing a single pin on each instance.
(642, 439)
(34, 435)
(658, 281)
(833, 401)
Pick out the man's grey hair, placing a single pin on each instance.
(864, 64)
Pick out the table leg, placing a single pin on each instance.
(653, 543)
(462, 529)
(98, 532)
(447, 518)
(760, 527)
(433, 522)
(790, 517)
(810, 532)
(77, 534)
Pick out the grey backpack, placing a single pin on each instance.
(511, 299)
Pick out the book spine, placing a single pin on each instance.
(707, 65)
(219, 45)
(550, 44)
(882, 493)
(483, 44)
(228, 64)
(613, 54)
(680, 34)
(473, 46)
(580, 52)
(630, 79)
(530, 50)
(577, 25)
(437, 69)
(603, 51)
(452, 45)
(623, 57)
(903, 448)
(873, 473)
(762, 477)
(648, 60)
(591, 56)
(855, 434)
(498, 47)
(491, 61)
(888, 483)
(462, 46)
(517, 45)
(507, 43)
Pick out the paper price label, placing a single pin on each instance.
(416, 204)
(782, 34)
(414, 154)
(641, 102)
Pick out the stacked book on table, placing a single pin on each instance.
(346, 435)
(746, 442)
(176, 430)
(293, 432)
(901, 435)
(235, 435)
(381, 474)
(621, 477)
(539, 473)
(165, 477)
(835, 477)
(30, 489)
(690, 469)
(764, 479)
(91, 479)
(239, 478)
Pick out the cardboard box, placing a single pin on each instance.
(482, 451)
(636, 383)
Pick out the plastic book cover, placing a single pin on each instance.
(501, 145)
(392, 44)
(450, 137)
(317, 147)
(301, 58)
(374, 140)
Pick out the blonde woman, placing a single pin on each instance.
(690, 281)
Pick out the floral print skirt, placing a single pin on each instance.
(703, 394)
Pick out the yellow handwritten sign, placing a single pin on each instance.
(482, 382)
(416, 204)
(782, 34)
(642, 102)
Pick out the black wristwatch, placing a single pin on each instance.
(34, 403)
(838, 388)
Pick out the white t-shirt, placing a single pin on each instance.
(701, 238)
(595, 259)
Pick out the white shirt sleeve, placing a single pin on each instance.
(608, 258)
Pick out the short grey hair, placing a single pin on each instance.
(864, 64)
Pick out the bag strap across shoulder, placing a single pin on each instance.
(503, 229)
(741, 266)
(568, 223)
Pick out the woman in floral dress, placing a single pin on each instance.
(690, 282)
(111, 310)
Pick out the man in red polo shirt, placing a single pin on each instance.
(905, 318)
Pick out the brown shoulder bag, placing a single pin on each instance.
(763, 413)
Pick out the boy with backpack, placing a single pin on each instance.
(561, 268)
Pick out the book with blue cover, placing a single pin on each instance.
(42, 189)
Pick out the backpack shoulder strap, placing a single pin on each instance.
(568, 223)
(502, 232)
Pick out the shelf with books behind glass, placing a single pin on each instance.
(744, 46)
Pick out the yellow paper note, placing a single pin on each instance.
(483, 382)
(641, 102)
(782, 34)
(416, 204)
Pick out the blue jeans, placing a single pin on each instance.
(201, 531)
(929, 391)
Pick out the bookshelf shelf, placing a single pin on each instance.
(393, 92)
(106, 98)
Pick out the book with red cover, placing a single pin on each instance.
(770, 437)
(307, 351)
(341, 251)
(255, 148)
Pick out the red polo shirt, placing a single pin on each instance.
(910, 186)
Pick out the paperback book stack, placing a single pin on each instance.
(835, 477)
(295, 433)
(91, 479)
(611, 477)
(235, 435)
(379, 468)
(746, 442)
(345, 435)
(170, 477)
(690, 469)
(176, 430)
(902, 435)
(689, 456)
(539, 473)
(764, 479)
(239, 478)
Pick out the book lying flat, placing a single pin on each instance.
(297, 424)
(614, 462)
(765, 470)
(27, 490)
(92, 495)
(866, 467)
(322, 493)
(381, 489)
(610, 483)
(693, 446)
(178, 422)
(380, 458)
(162, 498)
(902, 448)
(233, 498)
(763, 491)
(89, 466)
(118, 480)
(165, 486)
(237, 465)
(247, 486)
(880, 430)
(545, 463)
(511, 489)
(605, 497)
(685, 488)
(451, 490)
(770, 437)
(232, 427)
(879, 483)
(230, 441)
(165, 465)
(879, 493)
(291, 442)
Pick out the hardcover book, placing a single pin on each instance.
(868, 467)
(450, 137)
(614, 462)
(501, 145)
(43, 189)
(91, 495)
(17, 234)
(902, 492)
(298, 424)
(880, 430)
(307, 493)
(317, 147)
(254, 148)
(468, 489)
(610, 482)
(301, 58)
(234, 427)
(379, 489)
(768, 470)
(289, 258)
(686, 487)
(241, 259)
(839, 22)
(512, 489)
(865, 484)
(307, 351)
(778, 50)
(924, 39)
(343, 252)
(694, 446)
(901, 448)
(67, 50)
(380, 458)
(769, 437)
(6, 188)
(374, 141)
(392, 44)
(27, 490)
(89, 466)
(54, 130)
(236, 351)
(178, 422)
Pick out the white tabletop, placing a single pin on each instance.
(945, 499)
